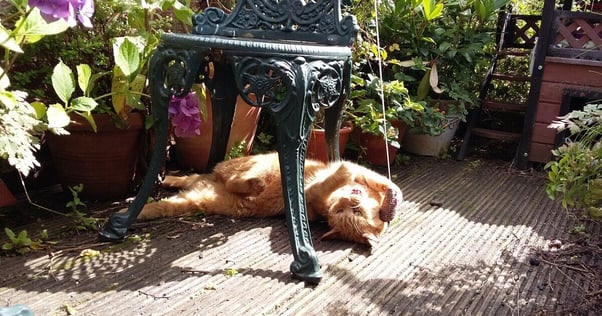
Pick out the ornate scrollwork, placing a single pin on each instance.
(285, 19)
(175, 69)
(207, 21)
(265, 83)
(327, 84)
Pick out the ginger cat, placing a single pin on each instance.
(357, 203)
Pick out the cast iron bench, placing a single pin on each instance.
(290, 57)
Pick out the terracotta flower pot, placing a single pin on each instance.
(104, 162)
(402, 127)
(316, 146)
(6, 197)
(193, 152)
(375, 150)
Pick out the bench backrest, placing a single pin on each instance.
(312, 21)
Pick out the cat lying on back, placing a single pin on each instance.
(357, 203)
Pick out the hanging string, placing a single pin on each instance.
(381, 88)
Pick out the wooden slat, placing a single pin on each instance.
(514, 52)
(503, 106)
(509, 77)
(495, 134)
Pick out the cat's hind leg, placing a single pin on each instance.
(182, 182)
(169, 207)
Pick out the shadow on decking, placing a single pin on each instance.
(467, 243)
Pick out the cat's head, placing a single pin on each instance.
(356, 215)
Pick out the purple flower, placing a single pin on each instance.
(84, 10)
(68, 10)
(185, 115)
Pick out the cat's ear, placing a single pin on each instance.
(332, 234)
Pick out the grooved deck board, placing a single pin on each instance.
(461, 247)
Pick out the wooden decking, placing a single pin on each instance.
(473, 240)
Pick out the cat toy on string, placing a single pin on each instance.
(381, 87)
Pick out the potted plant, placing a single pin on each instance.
(575, 175)
(432, 133)
(377, 128)
(440, 50)
(111, 81)
(23, 123)
(316, 143)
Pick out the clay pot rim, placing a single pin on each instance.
(105, 122)
(347, 128)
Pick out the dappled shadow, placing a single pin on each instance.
(461, 244)
(155, 252)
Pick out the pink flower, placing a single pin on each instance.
(185, 115)
(68, 10)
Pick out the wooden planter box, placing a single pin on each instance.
(563, 78)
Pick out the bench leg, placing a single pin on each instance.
(170, 70)
(294, 123)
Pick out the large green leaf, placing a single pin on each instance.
(63, 82)
(34, 28)
(127, 56)
(431, 9)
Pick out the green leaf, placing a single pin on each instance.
(57, 117)
(40, 109)
(84, 73)
(4, 81)
(9, 232)
(83, 104)
(119, 88)
(137, 18)
(183, 13)
(34, 28)
(424, 86)
(63, 82)
(8, 42)
(90, 118)
(127, 56)
(431, 10)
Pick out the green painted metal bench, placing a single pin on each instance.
(290, 57)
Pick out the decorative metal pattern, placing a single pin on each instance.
(314, 21)
(276, 72)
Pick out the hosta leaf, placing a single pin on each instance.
(127, 56)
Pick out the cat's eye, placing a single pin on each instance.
(339, 211)
(358, 213)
